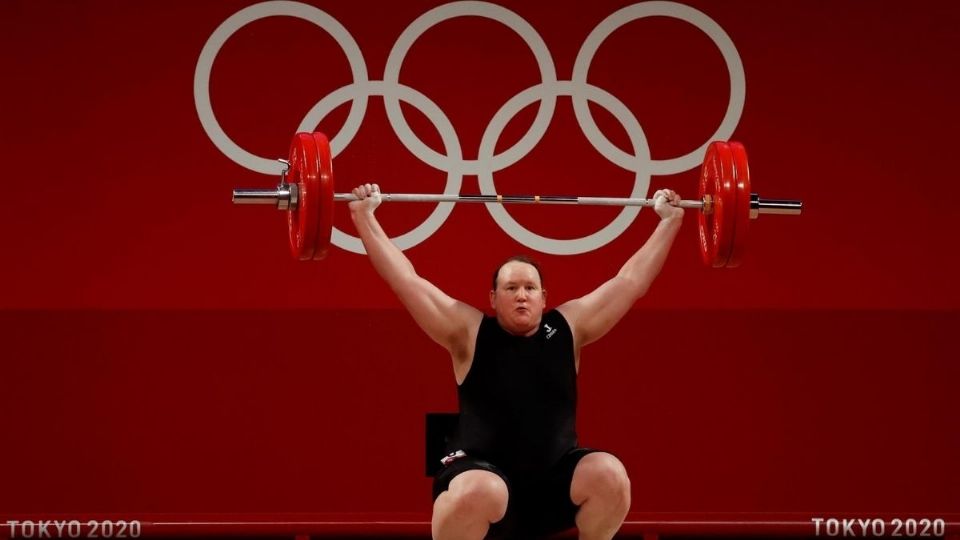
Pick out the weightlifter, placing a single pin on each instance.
(519, 472)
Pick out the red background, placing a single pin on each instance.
(162, 352)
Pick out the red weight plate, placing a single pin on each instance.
(708, 188)
(716, 180)
(325, 221)
(305, 173)
(742, 211)
(728, 196)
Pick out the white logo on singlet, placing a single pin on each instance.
(550, 331)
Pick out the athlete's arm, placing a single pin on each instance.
(593, 315)
(447, 321)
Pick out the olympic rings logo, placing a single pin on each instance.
(488, 162)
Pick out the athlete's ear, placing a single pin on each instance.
(493, 305)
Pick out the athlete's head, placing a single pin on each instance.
(518, 296)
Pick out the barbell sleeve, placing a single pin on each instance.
(774, 206)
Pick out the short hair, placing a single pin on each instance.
(518, 258)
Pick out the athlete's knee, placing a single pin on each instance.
(478, 494)
(601, 475)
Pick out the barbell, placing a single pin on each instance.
(726, 204)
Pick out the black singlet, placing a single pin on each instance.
(518, 403)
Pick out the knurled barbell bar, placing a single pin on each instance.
(726, 204)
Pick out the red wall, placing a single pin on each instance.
(162, 352)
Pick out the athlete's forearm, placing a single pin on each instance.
(387, 259)
(644, 266)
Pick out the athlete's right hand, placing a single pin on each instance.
(368, 196)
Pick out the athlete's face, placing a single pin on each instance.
(519, 299)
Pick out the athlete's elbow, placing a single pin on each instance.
(635, 286)
(406, 283)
